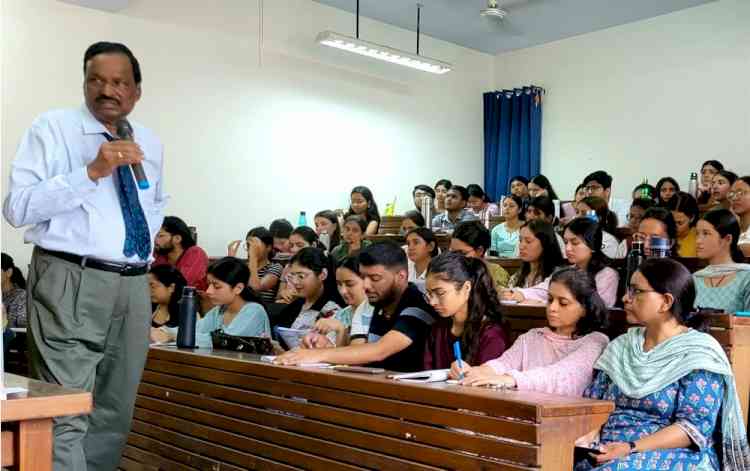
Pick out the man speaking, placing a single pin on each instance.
(92, 222)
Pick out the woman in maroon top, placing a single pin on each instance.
(462, 292)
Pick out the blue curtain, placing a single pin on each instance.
(512, 137)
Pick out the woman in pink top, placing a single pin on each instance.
(558, 359)
(583, 242)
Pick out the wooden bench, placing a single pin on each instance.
(226, 410)
(390, 224)
(732, 332)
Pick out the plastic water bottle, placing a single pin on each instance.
(591, 214)
(302, 221)
(658, 247)
(188, 313)
(693, 185)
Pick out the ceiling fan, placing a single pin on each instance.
(497, 13)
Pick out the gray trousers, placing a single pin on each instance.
(88, 329)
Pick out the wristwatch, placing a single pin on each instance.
(632, 446)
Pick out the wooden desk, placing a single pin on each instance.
(732, 332)
(226, 410)
(27, 421)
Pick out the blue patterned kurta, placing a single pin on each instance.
(693, 403)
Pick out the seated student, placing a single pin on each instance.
(583, 248)
(666, 189)
(327, 228)
(463, 294)
(14, 292)
(504, 236)
(421, 248)
(708, 170)
(353, 240)
(472, 239)
(312, 276)
(480, 204)
(685, 214)
(657, 222)
(280, 230)
(265, 276)
(175, 246)
(644, 191)
(672, 385)
(569, 211)
(455, 210)
(351, 324)
(638, 208)
(740, 198)
(598, 184)
(557, 359)
(400, 323)
(541, 186)
(542, 207)
(412, 220)
(363, 204)
(300, 238)
(720, 187)
(519, 186)
(541, 256)
(419, 192)
(725, 283)
(606, 218)
(239, 311)
(166, 284)
(441, 190)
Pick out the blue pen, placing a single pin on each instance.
(457, 354)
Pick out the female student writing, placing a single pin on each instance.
(463, 294)
(557, 359)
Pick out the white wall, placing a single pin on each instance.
(251, 138)
(652, 98)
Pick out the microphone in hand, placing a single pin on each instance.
(125, 133)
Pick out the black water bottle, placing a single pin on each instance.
(634, 260)
(188, 310)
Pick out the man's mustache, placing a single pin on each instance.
(103, 99)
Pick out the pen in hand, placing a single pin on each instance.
(457, 354)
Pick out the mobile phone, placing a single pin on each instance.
(359, 369)
(585, 449)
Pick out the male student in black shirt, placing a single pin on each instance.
(400, 323)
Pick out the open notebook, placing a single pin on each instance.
(427, 376)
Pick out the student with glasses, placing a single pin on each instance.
(657, 222)
(740, 198)
(672, 385)
(463, 294)
(598, 184)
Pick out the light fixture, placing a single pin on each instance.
(384, 53)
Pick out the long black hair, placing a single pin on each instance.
(416, 217)
(685, 203)
(543, 182)
(316, 260)
(372, 213)
(543, 204)
(667, 276)
(16, 277)
(168, 276)
(520, 203)
(726, 223)
(331, 216)
(476, 191)
(590, 233)
(551, 258)
(661, 183)
(607, 218)
(583, 287)
(484, 304)
(234, 271)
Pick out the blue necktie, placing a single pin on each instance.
(137, 235)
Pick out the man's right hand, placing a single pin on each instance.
(111, 155)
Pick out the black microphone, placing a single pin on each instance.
(125, 133)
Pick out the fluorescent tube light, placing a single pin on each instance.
(384, 53)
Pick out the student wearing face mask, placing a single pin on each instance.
(463, 294)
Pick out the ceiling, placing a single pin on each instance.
(530, 23)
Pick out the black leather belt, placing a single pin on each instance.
(124, 269)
